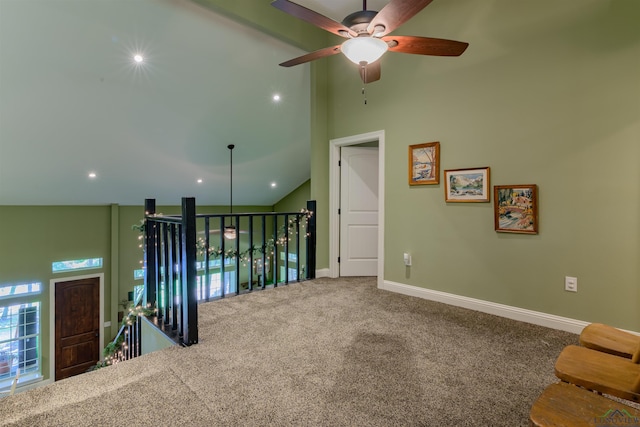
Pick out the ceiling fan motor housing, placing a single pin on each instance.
(359, 21)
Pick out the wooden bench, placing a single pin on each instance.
(599, 371)
(608, 339)
(564, 404)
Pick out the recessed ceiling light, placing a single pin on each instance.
(199, 181)
(138, 58)
(92, 175)
(276, 97)
(273, 185)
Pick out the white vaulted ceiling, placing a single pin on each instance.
(72, 102)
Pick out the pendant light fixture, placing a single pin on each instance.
(230, 230)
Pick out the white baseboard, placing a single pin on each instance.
(323, 272)
(32, 385)
(514, 313)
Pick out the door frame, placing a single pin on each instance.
(52, 317)
(334, 198)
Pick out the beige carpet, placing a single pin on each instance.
(325, 352)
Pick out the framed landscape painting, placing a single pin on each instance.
(516, 208)
(467, 185)
(424, 163)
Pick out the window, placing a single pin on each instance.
(138, 274)
(293, 274)
(20, 332)
(293, 271)
(76, 264)
(138, 293)
(214, 288)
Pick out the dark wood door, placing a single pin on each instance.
(77, 326)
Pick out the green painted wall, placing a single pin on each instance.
(35, 236)
(547, 94)
(152, 338)
(295, 200)
(320, 157)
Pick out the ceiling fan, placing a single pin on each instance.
(366, 33)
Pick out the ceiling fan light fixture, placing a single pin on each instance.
(230, 232)
(364, 49)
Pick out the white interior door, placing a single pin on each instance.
(359, 211)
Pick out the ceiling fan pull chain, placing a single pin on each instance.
(364, 80)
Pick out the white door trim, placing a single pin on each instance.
(52, 317)
(334, 198)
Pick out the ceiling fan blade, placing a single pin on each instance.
(313, 18)
(425, 45)
(370, 72)
(394, 14)
(327, 51)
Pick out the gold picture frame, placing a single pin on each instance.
(471, 185)
(424, 163)
(516, 208)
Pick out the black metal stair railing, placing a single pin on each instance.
(184, 264)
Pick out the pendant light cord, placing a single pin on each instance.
(231, 147)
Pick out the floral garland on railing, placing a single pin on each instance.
(113, 351)
(216, 252)
(267, 248)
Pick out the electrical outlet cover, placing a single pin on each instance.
(571, 284)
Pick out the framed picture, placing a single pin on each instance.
(424, 163)
(467, 185)
(516, 208)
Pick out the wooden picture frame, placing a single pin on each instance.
(424, 163)
(516, 208)
(471, 185)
